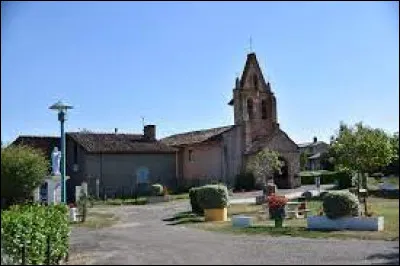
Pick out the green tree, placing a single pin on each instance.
(264, 165)
(393, 167)
(22, 170)
(361, 150)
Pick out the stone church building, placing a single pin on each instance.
(221, 153)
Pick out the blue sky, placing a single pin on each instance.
(175, 64)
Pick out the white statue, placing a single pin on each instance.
(55, 162)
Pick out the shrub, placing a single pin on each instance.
(342, 178)
(22, 170)
(33, 226)
(193, 194)
(245, 181)
(338, 204)
(157, 190)
(212, 196)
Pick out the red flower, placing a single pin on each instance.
(275, 202)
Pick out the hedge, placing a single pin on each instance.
(213, 196)
(337, 204)
(343, 179)
(193, 196)
(245, 181)
(208, 197)
(36, 228)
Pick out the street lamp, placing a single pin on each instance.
(62, 110)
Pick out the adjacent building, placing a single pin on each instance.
(112, 164)
(313, 152)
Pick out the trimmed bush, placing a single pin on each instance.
(32, 226)
(338, 204)
(193, 196)
(22, 170)
(157, 190)
(343, 179)
(245, 181)
(212, 196)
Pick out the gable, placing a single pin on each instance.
(278, 141)
(282, 142)
(252, 75)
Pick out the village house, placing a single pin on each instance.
(113, 164)
(313, 151)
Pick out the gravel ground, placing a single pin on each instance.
(141, 237)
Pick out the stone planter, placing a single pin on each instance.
(242, 221)
(346, 223)
(216, 215)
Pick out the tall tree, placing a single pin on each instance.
(264, 165)
(361, 150)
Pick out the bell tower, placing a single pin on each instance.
(254, 103)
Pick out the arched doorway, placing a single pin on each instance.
(282, 179)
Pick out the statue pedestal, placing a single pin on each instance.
(50, 191)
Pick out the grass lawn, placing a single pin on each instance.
(389, 208)
(97, 218)
(394, 180)
(138, 201)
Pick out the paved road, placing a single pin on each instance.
(143, 238)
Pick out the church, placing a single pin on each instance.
(115, 164)
(221, 153)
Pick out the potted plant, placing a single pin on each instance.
(213, 199)
(276, 206)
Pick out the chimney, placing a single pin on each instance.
(116, 130)
(149, 132)
(315, 139)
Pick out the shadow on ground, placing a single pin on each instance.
(184, 218)
(391, 258)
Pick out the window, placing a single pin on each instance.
(190, 155)
(264, 109)
(250, 108)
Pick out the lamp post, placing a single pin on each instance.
(62, 116)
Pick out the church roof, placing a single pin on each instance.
(99, 143)
(195, 136)
(119, 143)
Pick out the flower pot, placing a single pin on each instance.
(277, 213)
(216, 215)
